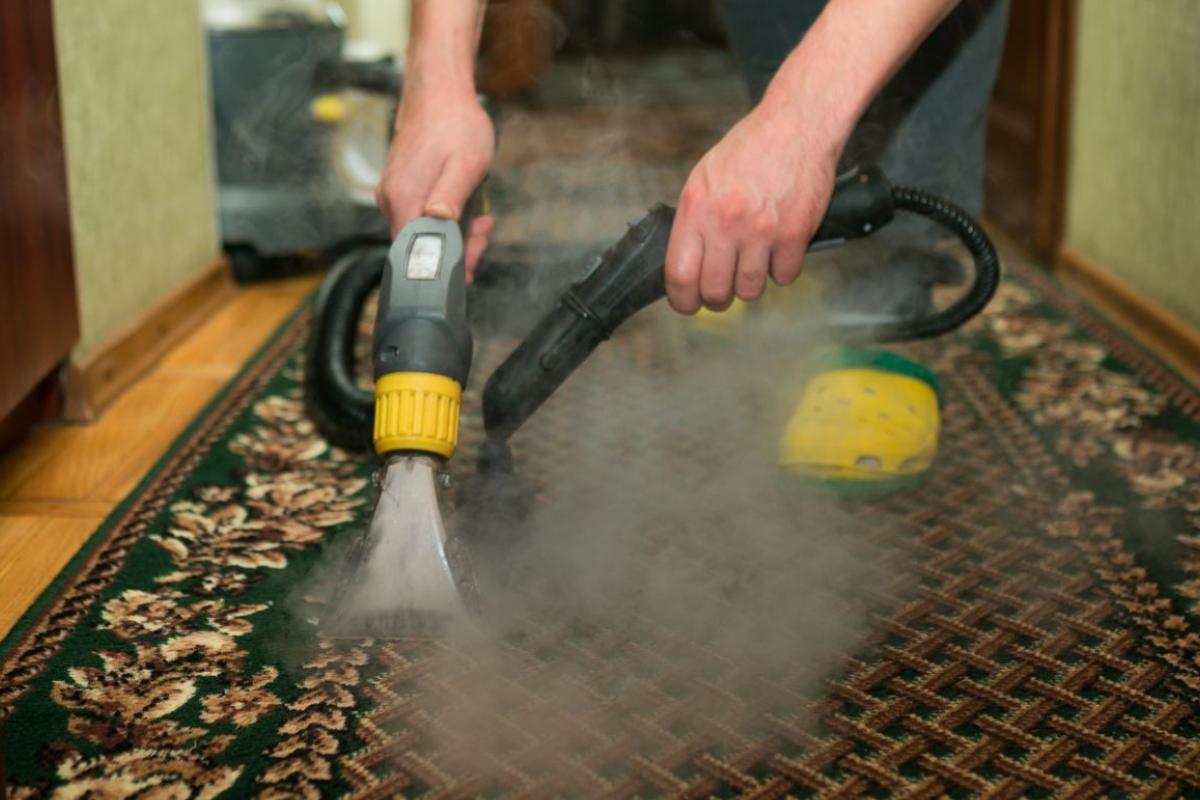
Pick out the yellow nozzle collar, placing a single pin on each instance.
(417, 411)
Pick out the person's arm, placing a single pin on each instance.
(444, 140)
(753, 202)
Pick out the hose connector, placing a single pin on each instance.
(417, 411)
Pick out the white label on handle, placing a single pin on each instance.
(424, 257)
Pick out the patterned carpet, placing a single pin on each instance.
(677, 618)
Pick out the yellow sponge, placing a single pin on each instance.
(873, 418)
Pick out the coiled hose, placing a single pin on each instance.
(987, 270)
(342, 411)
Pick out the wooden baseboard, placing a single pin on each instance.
(99, 377)
(1168, 336)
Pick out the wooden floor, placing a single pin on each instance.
(60, 483)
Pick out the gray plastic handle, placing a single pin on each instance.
(422, 320)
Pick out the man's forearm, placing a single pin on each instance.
(442, 47)
(844, 60)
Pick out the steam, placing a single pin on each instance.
(672, 586)
(403, 580)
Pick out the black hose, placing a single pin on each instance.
(342, 411)
(987, 272)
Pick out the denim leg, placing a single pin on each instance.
(763, 32)
(926, 128)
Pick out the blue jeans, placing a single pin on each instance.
(926, 128)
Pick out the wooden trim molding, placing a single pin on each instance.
(1163, 332)
(1054, 126)
(95, 380)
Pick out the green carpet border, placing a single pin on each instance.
(1090, 316)
(16, 636)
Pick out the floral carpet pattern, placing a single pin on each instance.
(178, 672)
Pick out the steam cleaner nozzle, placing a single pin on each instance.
(406, 577)
(422, 343)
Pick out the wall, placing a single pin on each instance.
(1134, 185)
(139, 170)
(383, 23)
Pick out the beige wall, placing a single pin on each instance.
(139, 169)
(383, 23)
(1134, 186)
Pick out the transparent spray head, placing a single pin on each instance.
(406, 577)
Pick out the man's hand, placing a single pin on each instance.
(440, 153)
(752, 204)
(444, 140)
(748, 211)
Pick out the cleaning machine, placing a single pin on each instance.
(407, 577)
(300, 133)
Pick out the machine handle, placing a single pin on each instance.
(861, 204)
(629, 276)
(381, 76)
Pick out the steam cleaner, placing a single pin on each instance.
(406, 576)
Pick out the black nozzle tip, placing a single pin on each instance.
(494, 504)
(495, 456)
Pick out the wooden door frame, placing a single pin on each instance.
(1049, 148)
(1054, 130)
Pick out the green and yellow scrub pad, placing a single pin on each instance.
(866, 425)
